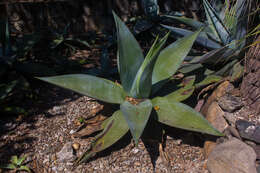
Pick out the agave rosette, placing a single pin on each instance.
(224, 34)
(140, 78)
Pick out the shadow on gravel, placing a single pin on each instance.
(17, 147)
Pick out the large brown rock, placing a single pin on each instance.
(230, 103)
(233, 156)
(220, 91)
(215, 115)
(208, 147)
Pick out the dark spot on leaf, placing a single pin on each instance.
(98, 147)
(186, 91)
(104, 132)
(186, 80)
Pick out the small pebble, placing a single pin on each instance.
(76, 146)
(135, 150)
(137, 163)
(72, 131)
(61, 139)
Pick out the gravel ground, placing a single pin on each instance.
(40, 137)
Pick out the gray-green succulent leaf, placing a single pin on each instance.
(92, 86)
(179, 115)
(136, 116)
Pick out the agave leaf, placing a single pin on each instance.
(202, 39)
(241, 22)
(191, 65)
(190, 22)
(114, 130)
(171, 57)
(184, 92)
(212, 57)
(229, 19)
(208, 80)
(187, 68)
(225, 71)
(241, 8)
(143, 81)
(91, 86)
(179, 115)
(130, 56)
(216, 24)
(136, 116)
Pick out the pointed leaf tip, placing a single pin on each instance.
(136, 116)
(216, 24)
(143, 81)
(179, 115)
(91, 86)
(130, 56)
(172, 56)
(113, 131)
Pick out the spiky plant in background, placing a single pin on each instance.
(225, 34)
(140, 78)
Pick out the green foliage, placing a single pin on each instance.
(139, 76)
(181, 116)
(225, 33)
(222, 27)
(14, 70)
(16, 164)
(137, 116)
(114, 128)
(185, 91)
(62, 39)
(91, 86)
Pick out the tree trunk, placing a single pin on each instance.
(250, 88)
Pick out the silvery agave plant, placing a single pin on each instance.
(224, 34)
(140, 78)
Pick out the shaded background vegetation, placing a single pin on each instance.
(28, 16)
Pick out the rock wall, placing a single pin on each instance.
(250, 87)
